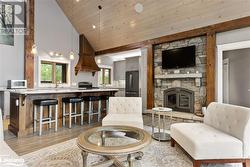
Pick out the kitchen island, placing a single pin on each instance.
(21, 105)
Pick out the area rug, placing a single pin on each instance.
(67, 154)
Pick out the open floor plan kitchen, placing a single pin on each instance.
(126, 83)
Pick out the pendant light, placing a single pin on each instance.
(34, 49)
(71, 53)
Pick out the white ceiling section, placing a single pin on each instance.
(120, 24)
(121, 55)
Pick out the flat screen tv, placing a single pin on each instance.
(178, 58)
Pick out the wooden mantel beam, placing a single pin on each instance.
(28, 43)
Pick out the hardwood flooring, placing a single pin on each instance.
(34, 142)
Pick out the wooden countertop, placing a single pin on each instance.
(59, 91)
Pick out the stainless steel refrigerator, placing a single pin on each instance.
(132, 84)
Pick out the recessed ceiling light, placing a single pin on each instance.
(93, 26)
(138, 7)
(51, 53)
(77, 0)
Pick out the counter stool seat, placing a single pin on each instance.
(45, 102)
(40, 103)
(91, 112)
(72, 100)
(70, 114)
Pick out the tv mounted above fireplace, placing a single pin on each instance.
(178, 58)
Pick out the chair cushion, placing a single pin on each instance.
(45, 102)
(72, 100)
(91, 98)
(5, 150)
(205, 142)
(123, 119)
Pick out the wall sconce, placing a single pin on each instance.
(34, 49)
(71, 55)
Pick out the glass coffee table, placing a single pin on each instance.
(113, 142)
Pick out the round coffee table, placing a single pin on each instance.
(111, 141)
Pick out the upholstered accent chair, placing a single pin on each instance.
(5, 150)
(224, 137)
(125, 111)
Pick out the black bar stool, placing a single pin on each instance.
(106, 98)
(91, 112)
(48, 120)
(70, 114)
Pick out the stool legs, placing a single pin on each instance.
(50, 115)
(64, 114)
(82, 110)
(41, 121)
(99, 110)
(35, 118)
(75, 112)
(70, 113)
(90, 110)
(56, 118)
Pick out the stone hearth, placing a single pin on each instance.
(195, 79)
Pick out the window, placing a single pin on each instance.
(52, 72)
(104, 76)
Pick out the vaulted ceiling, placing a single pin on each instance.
(119, 24)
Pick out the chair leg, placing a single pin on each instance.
(70, 112)
(246, 163)
(172, 142)
(50, 116)
(35, 118)
(75, 111)
(90, 110)
(196, 163)
(56, 118)
(63, 116)
(99, 110)
(107, 107)
(41, 121)
(82, 112)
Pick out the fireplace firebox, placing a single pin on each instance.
(179, 99)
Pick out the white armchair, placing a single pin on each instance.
(5, 150)
(125, 111)
(224, 137)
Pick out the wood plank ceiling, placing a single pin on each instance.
(121, 25)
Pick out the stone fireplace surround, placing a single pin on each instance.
(193, 79)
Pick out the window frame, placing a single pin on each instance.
(54, 63)
(103, 74)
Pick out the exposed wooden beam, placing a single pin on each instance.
(220, 27)
(28, 43)
(150, 77)
(210, 68)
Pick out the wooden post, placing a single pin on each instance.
(150, 77)
(28, 43)
(211, 44)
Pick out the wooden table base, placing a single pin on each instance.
(112, 160)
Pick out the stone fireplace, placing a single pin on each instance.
(179, 99)
(185, 87)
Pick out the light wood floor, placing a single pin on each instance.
(34, 142)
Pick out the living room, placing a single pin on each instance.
(124, 83)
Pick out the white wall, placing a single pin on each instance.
(239, 85)
(54, 32)
(12, 61)
(228, 37)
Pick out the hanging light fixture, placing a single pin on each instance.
(71, 53)
(34, 49)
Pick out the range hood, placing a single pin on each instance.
(86, 60)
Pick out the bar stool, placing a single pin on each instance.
(48, 120)
(70, 101)
(91, 112)
(106, 98)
